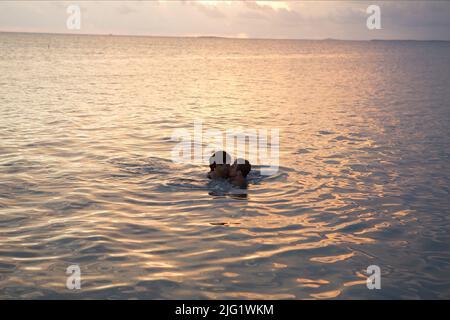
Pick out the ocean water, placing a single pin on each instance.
(86, 175)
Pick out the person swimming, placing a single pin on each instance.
(219, 164)
(238, 173)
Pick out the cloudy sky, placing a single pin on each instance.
(253, 19)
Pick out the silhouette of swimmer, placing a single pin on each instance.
(238, 173)
(219, 164)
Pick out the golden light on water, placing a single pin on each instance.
(87, 174)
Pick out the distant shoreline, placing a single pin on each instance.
(214, 37)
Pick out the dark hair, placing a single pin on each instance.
(219, 157)
(243, 166)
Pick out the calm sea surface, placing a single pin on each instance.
(86, 175)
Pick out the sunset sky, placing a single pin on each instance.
(422, 20)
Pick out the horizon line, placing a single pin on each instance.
(213, 37)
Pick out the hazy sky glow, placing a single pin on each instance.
(253, 19)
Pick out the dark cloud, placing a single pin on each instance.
(209, 11)
(417, 14)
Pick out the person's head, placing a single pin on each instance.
(220, 162)
(240, 167)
